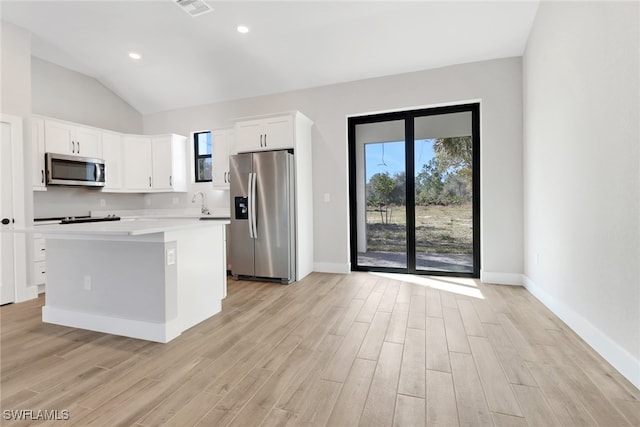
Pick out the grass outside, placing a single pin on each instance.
(439, 230)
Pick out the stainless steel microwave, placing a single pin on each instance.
(62, 169)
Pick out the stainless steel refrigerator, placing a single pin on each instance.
(262, 191)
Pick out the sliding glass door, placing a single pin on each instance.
(414, 189)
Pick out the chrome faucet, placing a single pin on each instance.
(204, 209)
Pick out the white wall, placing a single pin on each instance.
(582, 181)
(15, 99)
(15, 89)
(497, 83)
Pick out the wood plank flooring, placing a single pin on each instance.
(334, 350)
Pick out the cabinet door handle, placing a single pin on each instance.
(42, 175)
(149, 181)
(73, 146)
(260, 140)
(265, 139)
(170, 181)
(78, 146)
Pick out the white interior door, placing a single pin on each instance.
(7, 269)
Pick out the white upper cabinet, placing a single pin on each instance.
(37, 147)
(133, 163)
(168, 154)
(68, 138)
(222, 147)
(154, 163)
(112, 153)
(272, 133)
(137, 163)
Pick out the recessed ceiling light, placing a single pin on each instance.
(242, 29)
(134, 55)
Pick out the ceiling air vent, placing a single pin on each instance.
(194, 7)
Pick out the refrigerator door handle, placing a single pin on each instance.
(252, 205)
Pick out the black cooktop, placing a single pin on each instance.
(77, 220)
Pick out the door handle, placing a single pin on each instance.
(98, 173)
(252, 206)
(5, 221)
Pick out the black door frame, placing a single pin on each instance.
(408, 116)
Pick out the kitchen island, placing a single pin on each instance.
(143, 278)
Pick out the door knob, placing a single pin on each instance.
(5, 221)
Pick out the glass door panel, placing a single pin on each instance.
(443, 167)
(414, 191)
(381, 194)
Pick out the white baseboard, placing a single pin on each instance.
(330, 267)
(514, 279)
(617, 356)
(158, 332)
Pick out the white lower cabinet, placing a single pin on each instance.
(39, 262)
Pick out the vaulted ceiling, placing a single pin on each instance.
(188, 61)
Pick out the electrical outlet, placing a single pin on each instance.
(327, 197)
(87, 283)
(171, 256)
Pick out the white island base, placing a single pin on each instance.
(148, 280)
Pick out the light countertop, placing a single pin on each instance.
(163, 213)
(127, 226)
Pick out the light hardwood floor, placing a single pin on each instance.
(337, 350)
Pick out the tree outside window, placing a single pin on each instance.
(203, 159)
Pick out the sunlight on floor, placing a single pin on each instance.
(456, 285)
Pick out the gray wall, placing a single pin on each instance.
(498, 84)
(68, 95)
(582, 180)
